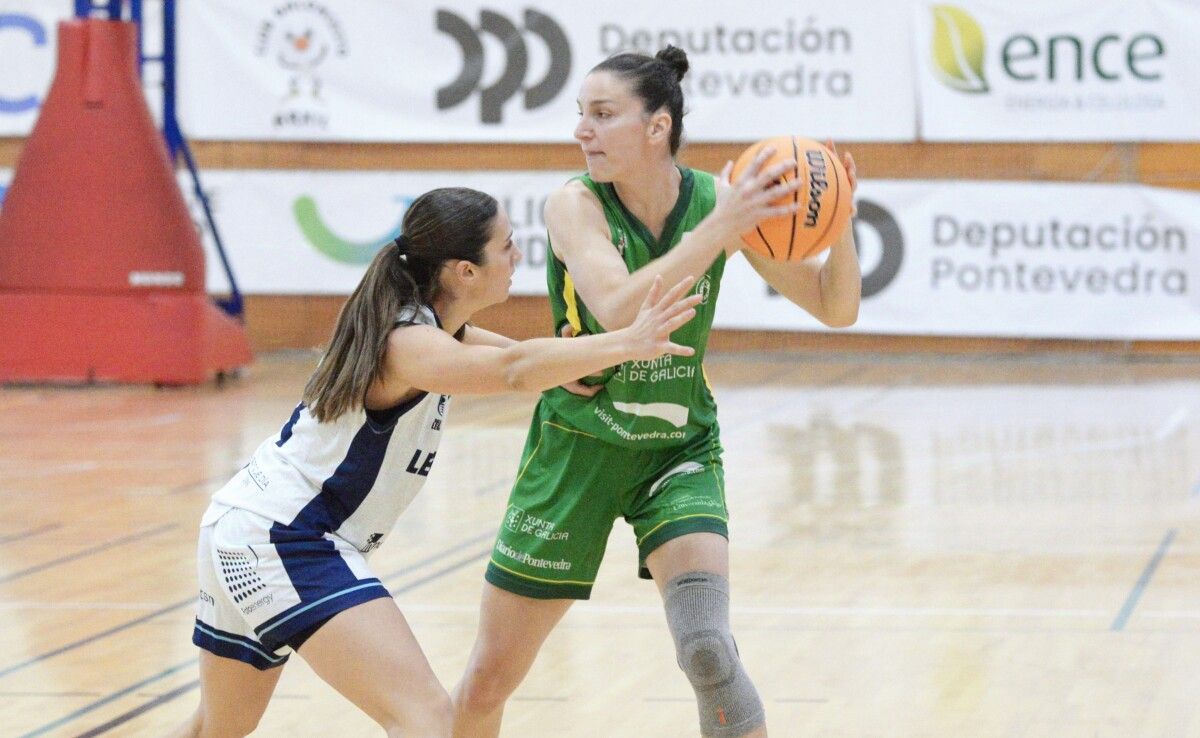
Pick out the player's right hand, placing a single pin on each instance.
(743, 204)
(661, 314)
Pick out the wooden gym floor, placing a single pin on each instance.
(926, 547)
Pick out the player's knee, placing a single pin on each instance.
(708, 658)
(420, 716)
(441, 714)
(228, 724)
(485, 686)
(697, 606)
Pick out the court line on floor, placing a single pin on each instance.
(132, 537)
(1143, 581)
(93, 638)
(184, 689)
(189, 600)
(49, 694)
(146, 605)
(107, 699)
(145, 707)
(29, 533)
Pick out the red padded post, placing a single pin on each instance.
(101, 267)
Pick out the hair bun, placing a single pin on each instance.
(676, 59)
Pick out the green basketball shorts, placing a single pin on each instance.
(570, 488)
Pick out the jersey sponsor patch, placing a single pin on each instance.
(676, 415)
(687, 467)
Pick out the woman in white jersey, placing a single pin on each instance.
(283, 547)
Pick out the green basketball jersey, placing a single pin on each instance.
(644, 404)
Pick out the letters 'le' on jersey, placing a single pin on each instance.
(645, 404)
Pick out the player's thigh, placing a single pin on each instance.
(369, 654)
(233, 694)
(708, 552)
(512, 628)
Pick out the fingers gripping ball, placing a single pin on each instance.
(825, 200)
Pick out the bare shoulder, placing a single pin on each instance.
(394, 384)
(574, 218)
(415, 339)
(573, 201)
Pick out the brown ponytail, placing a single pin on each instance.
(452, 223)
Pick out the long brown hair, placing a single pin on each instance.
(442, 225)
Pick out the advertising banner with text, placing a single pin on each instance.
(938, 258)
(1058, 70)
(426, 70)
(1013, 259)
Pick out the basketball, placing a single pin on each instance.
(825, 200)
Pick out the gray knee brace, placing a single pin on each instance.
(698, 615)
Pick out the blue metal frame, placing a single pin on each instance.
(176, 143)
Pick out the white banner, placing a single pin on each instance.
(506, 70)
(1059, 70)
(315, 232)
(938, 258)
(28, 31)
(1010, 259)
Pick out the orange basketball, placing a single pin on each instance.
(825, 200)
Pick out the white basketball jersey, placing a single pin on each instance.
(352, 476)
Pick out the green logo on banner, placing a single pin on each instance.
(334, 246)
(958, 49)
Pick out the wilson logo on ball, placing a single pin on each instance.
(825, 200)
(817, 184)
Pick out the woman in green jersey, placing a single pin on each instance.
(646, 447)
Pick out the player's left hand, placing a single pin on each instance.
(851, 171)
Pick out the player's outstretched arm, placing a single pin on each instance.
(479, 337)
(429, 359)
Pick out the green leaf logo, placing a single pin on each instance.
(958, 48)
(332, 245)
